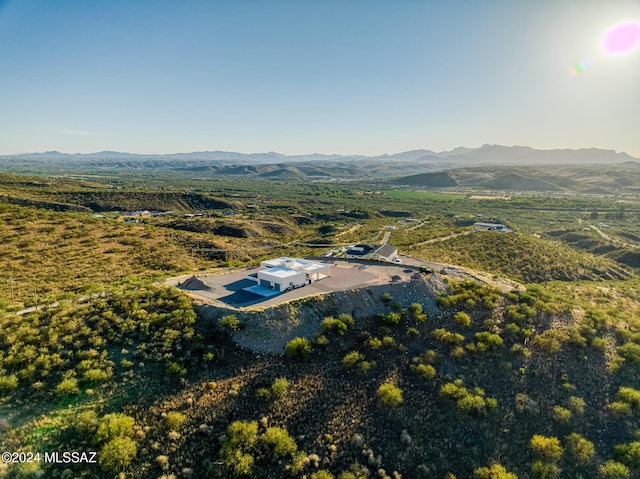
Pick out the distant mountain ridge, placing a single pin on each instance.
(423, 168)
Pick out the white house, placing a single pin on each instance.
(281, 274)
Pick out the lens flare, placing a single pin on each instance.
(579, 67)
(622, 38)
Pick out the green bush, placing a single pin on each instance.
(67, 387)
(230, 322)
(298, 348)
(322, 474)
(391, 319)
(96, 375)
(549, 341)
(279, 441)
(580, 448)
(547, 448)
(630, 352)
(114, 425)
(174, 420)
(613, 470)
(390, 395)
(630, 396)
(335, 325)
(629, 454)
(463, 319)
(545, 470)
(495, 471)
(8, 383)
(488, 341)
(117, 453)
(263, 393)
(576, 405)
(425, 371)
(280, 387)
(446, 336)
(560, 414)
(352, 359)
(620, 409)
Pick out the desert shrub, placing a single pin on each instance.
(560, 414)
(352, 359)
(599, 343)
(389, 394)
(495, 471)
(241, 434)
(386, 298)
(630, 396)
(629, 454)
(547, 448)
(576, 405)
(445, 336)
(545, 470)
(332, 324)
(549, 341)
(263, 393)
(412, 333)
(279, 441)
(425, 371)
(346, 319)
(416, 313)
(630, 352)
(388, 342)
(8, 383)
(174, 420)
(613, 470)
(391, 319)
(67, 387)
(580, 448)
(230, 322)
(620, 409)
(280, 387)
(463, 319)
(322, 474)
(298, 348)
(96, 375)
(114, 425)
(374, 343)
(117, 453)
(471, 402)
(487, 341)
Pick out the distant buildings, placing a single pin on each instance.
(491, 227)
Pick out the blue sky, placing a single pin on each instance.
(300, 76)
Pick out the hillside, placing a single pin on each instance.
(421, 395)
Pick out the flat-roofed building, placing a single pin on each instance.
(285, 273)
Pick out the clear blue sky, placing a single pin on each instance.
(302, 76)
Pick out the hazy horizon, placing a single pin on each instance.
(340, 77)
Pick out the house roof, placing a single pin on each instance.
(280, 272)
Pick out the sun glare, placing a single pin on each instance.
(622, 38)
